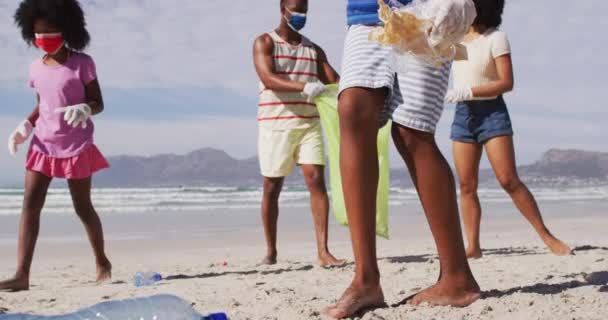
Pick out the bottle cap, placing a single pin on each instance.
(217, 316)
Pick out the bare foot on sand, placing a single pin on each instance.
(474, 253)
(446, 293)
(268, 261)
(15, 284)
(557, 247)
(104, 272)
(354, 300)
(327, 260)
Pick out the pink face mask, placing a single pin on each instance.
(49, 42)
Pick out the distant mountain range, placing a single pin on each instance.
(199, 168)
(567, 167)
(208, 166)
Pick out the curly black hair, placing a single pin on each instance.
(66, 15)
(489, 13)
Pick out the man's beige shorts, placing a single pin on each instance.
(281, 151)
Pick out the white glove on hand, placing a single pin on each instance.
(19, 136)
(76, 115)
(314, 89)
(459, 95)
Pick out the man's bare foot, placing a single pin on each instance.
(18, 283)
(104, 272)
(354, 300)
(474, 253)
(449, 293)
(327, 260)
(557, 247)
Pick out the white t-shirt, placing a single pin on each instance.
(479, 68)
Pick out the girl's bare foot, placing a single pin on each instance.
(556, 246)
(449, 293)
(327, 260)
(17, 283)
(474, 253)
(104, 272)
(354, 300)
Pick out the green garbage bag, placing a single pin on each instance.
(328, 109)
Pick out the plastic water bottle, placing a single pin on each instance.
(160, 307)
(143, 279)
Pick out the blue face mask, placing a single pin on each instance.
(297, 20)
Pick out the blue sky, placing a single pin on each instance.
(180, 77)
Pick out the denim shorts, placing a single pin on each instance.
(481, 120)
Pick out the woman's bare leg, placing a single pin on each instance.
(81, 197)
(359, 111)
(434, 181)
(36, 187)
(466, 159)
(501, 154)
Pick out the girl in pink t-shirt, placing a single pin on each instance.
(62, 146)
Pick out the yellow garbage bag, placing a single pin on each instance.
(327, 104)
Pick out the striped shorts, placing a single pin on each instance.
(415, 98)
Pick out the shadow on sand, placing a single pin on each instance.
(241, 273)
(422, 258)
(589, 248)
(593, 279)
(402, 259)
(410, 259)
(512, 251)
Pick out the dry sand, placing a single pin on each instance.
(520, 280)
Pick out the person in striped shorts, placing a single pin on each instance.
(292, 71)
(371, 92)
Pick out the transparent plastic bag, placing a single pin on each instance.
(426, 29)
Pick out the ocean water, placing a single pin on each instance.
(129, 201)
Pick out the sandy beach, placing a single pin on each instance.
(210, 260)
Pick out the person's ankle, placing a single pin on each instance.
(324, 253)
(459, 279)
(476, 247)
(367, 279)
(22, 275)
(271, 253)
(104, 262)
(544, 232)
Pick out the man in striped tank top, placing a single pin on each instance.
(292, 71)
(372, 91)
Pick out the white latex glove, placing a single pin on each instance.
(19, 136)
(314, 89)
(451, 21)
(459, 95)
(76, 115)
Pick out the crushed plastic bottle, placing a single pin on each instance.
(143, 279)
(160, 307)
(430, 30)
(402, 29)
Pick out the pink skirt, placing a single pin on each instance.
(80, 166)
